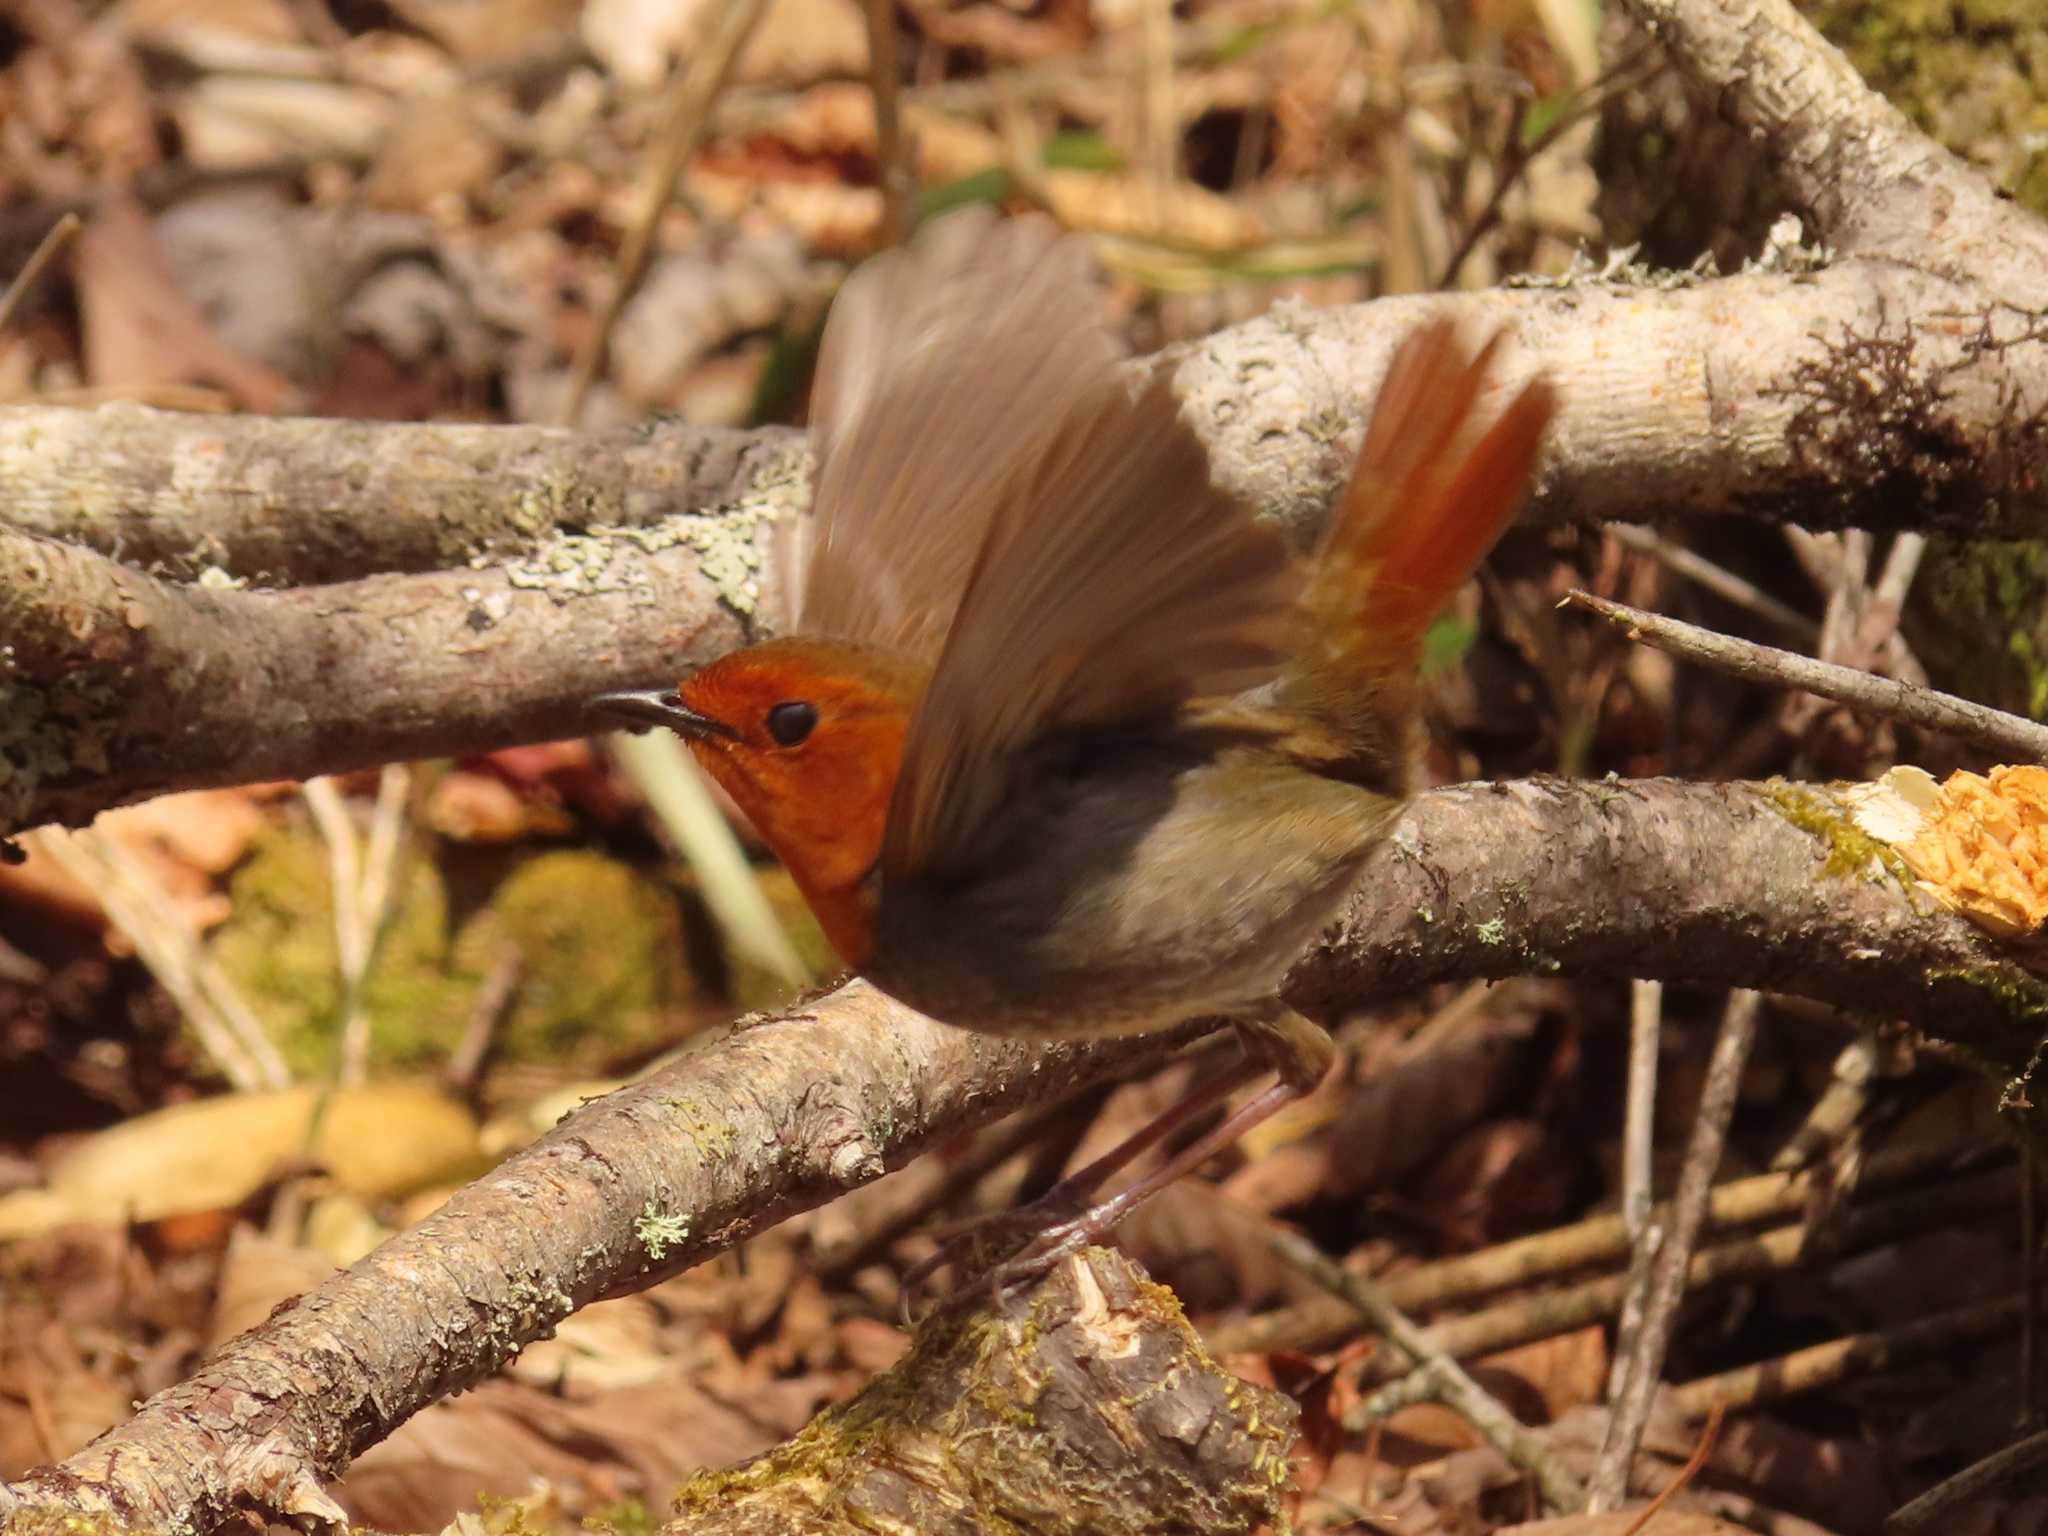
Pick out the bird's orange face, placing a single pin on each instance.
(807, 737)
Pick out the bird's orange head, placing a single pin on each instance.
(806, 735)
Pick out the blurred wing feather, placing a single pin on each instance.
(942, 369)
(1117, 582)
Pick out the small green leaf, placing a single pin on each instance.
(1449, 638)
(1543, 115)
(1079, 150)
(1245, 40)
(989, 186)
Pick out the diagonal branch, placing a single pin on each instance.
(1751, 885)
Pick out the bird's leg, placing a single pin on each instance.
(1066, 1200)
(1299, 1051)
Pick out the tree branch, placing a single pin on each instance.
(1762, 886)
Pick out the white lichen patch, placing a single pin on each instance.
(727, 539)
(659, 1233)
(1785, 251)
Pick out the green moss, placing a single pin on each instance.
(1978, 618)
(1852, 853)
(1971, 73)
(601, 956)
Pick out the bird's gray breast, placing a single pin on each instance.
(1127, 890)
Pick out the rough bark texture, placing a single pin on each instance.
(295, 501)
(1902, 383)
(1084, 1407)
(1734, 885)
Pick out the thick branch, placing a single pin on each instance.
(292, 501)
(1869, 392)
(1875, 182)
(1809, 398)
(1763, 886)
(118, 686)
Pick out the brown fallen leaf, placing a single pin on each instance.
(141, 329)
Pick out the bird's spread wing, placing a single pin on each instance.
(1116, 581)
(943, 368)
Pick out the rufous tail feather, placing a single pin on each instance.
(1429, 496)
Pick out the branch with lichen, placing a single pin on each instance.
(116, 685)
(1762, 885)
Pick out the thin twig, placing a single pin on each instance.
(1844, 613)
(31, 273)
(1613, 82)
(345, 878)
(689, 105)
(362, 894)
(1639, 1119)
(1686, 1474)
(1544, 1255)
(1840, 1106)
(226, 1028)
(1545, 1314)
(493, 999)
(895, 170)
(1162, 133)
(1972, 1483)
(2030, 1282)
(1667, 1283)
(373, 903)
(1717, 579)
(1448, 1381)
(1990, 729)
(1838, 1360)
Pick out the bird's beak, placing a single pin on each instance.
(663, 706)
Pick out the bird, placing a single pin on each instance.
(1065, 741)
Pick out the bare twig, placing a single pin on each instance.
(1859, 1354)
(895, 168)
(501, 985)
(1447, 1381)
(682, 128)
(1970, 1484)
(1835, 1112)
(226, 1029)
(1667, 1285)
(1684, 1477)
(362, 893)
(1990, 729)
(1527, 1260)
(32, 270)
(1645, 1033)
(1547, 1313)
(345, 879)
(1719, 580)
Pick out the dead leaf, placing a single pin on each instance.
(142, 330)
(258, 1274)
(379, 1141)
(436, 149)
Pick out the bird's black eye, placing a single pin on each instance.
(790, 723)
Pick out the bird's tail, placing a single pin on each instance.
(1430, 494)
